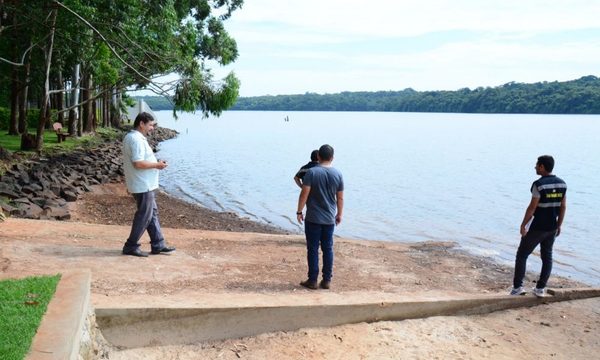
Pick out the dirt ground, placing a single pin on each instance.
(212, 266)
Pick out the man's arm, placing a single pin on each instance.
(340, 207)
(529, 214)
(302, 202)
(298, 182)
(561, 214)
(145, 164)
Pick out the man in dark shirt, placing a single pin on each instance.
(547, 208)
(298, 178)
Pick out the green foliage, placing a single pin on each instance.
(4, 118)
(581, 96)
(32, 118)
(122, 44)
(22, 305)
(195, 93)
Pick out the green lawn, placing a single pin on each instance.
(51, 145)
(23, 302)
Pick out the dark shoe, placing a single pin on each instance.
(165, 250)
(137, 252)
(325, 284)
(309, 284)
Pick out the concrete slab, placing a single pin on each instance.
(141, 327)
(59, 334)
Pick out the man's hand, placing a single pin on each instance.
(300, 218)
(523, 230)
(161, 164)
(338, 219)
(558, 231)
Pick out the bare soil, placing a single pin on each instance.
(245, 260)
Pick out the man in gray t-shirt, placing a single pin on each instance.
(323, 194)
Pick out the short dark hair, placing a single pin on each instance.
(547, 161)
(313, 155)
(326, 152)
(142, 117)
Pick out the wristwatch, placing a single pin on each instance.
(299, 213)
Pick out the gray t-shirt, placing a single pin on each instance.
(324, 182)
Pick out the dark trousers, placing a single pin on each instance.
(145, 218)
(526, 247)
(318, 234)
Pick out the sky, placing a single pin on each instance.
(330, 46)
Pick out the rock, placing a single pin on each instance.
(30, 211)
(8, 209)
(31, 188)
(57, 213)
(8, 191)
(68, 195)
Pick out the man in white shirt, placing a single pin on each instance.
(141, 176)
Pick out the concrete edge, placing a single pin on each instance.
(141, 327)
(59, 334)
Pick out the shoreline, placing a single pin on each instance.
(100, 205)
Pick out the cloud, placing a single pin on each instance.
(333, 45)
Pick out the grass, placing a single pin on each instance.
(51, 144)
(12, 143)
(23, 302)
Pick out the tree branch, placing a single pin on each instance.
(87, 23)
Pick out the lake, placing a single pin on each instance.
(408, 176)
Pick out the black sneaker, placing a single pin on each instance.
(136, 252)
(325, 284)
(165, 250)
(310, 284)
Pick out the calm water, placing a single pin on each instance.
(408, 176)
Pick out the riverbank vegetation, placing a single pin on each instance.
(581, 96)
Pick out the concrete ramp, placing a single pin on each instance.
(141, 327)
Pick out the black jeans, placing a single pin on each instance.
(526, 247)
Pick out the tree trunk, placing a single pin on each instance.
(60, 99)
(115, 113)
(86, 113)
(45, 97)
(74, 98)
(106, 108)
(94, 113)
(23, 94)
(13, 128)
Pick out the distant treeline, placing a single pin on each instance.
(581, 96)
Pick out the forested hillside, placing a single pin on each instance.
(581, 96)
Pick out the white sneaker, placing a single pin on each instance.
(539, 292)
(518, 291)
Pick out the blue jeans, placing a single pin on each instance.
(145, 218)
(526, 247)
(318, 234)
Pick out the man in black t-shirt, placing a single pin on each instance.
(547, 208)
(300, 174)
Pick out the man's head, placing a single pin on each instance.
(325, 153)
(314, 155)
(144, 123)
(544, 165)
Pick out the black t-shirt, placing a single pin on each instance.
(300, 174)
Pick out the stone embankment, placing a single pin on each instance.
(43, 187)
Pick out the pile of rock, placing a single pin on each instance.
(41, 189)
